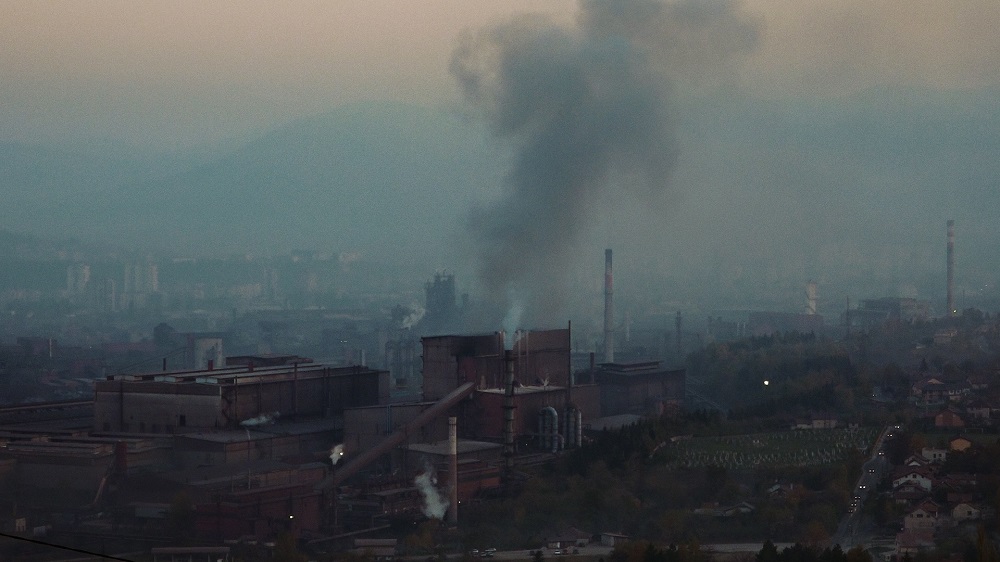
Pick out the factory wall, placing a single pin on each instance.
(193, 450)
(365, 427)
(449, 361)
(260, 513)
(542, 355)
(485, 416)
(310, 397)
(640, 392)
(67, 473)
(155, 407)
(148, 406)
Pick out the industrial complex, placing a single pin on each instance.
(260, 444)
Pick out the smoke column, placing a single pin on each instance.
(435, 505)
(586, 110)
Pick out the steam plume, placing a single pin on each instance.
(587, 111)
(336, 452)
(263, 419)
(435, 505)
(416, 314)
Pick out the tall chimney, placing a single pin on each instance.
(677, 334)
(951, 268)
(508, 413)
(609, 310)
(453, 469)
(811, 298)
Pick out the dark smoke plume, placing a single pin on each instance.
(587, 110)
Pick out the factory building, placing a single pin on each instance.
(232, 397)
(541, 363)
(541, 357)
(643, 388)
(889, 310)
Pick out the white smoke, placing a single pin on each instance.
(510, 323)
(336, 452)
(435, 505)
(416, 314)
(262, 419)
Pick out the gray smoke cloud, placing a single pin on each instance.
(587, 111)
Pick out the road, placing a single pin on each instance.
(852, 530)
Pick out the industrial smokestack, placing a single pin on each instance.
(609, 310)
(453, 469)
(677, 334)
(811, 298)
(951, 268)
(508, 413)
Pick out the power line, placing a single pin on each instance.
(69, 548)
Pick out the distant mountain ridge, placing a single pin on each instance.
(362, 178)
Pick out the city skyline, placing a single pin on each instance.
(827, 142)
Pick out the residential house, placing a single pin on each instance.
(780, 490)
(919, 477)
(959, 482)
(924, 516)
(613, 539)
(949, 418)
(965, 512)
(929, 391)
(959, 443)
(934, 455)
(918, 461)
(977, 409)
(909, 494)
(978, 382)
(568, 538)
(957, 390)
(715, 510)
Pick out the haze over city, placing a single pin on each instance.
(359, 281)
(827, 142)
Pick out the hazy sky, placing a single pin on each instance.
(833, 139)
(176, 73)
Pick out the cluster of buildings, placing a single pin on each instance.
(936, 504)
(954, 405)
(258, 444)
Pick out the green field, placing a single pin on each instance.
(783, 448)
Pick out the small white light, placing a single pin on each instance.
(767, 383)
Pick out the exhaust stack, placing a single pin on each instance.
(508, 413)
(951, 268)
(609, 310)
(453, 469)
(811, 298)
